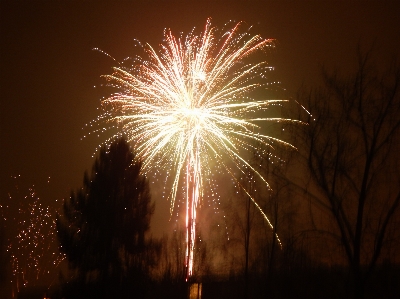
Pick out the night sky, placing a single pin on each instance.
(49, 70)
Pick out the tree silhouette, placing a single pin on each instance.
(102, 231)
(350, 150)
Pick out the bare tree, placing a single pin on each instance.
(261, 238)
(245, 221)
(170, 267)
(350, 149)
(276, 243)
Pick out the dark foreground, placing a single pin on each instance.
(323, 283)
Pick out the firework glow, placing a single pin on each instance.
(188, 107)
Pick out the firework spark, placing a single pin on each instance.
(187, 107)
(33, 249)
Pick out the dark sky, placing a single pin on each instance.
(48, 69)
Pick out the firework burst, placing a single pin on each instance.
(187, 107)
(33, 249)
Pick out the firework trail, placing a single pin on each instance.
(186, 107)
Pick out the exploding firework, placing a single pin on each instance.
(33, 250)
(187, 108)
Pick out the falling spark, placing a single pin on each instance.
(33, 249)
(187, 108)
